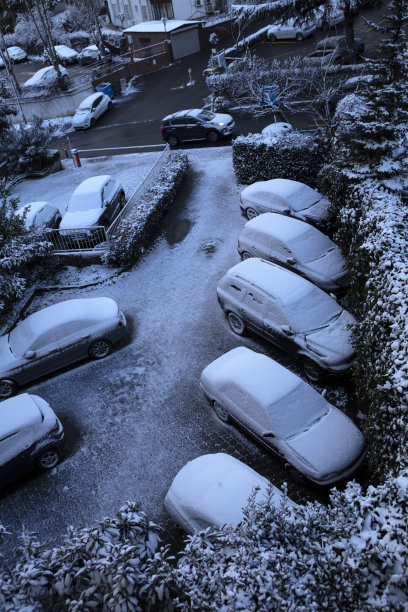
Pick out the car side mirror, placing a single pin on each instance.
(287, 330)
(291, 260)
(324, 393)
(333, 296)
(268, 434)
(29, 354)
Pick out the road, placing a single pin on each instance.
(134, 419)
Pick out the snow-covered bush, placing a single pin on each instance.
(292, 156)
(350, 555)
(134, 230)
(25, 147)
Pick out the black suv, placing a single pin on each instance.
(196, 124)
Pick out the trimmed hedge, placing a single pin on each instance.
(293, 156)
(135, 230)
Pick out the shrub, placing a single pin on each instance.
(135, 229)
(293, 156)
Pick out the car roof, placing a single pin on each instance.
(90, 100)
(193, 112)
(91, 185)
(80, 309)
(18, 412)
(280, 283)
(283, 227)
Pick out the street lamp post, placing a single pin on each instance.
(164, 20)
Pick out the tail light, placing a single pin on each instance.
(122, 320)
(54, 428)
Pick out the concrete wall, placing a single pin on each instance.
(61, 105)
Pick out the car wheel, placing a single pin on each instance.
(7, 388)
(172, 140)
(48, 459)
(221, 413)
(213, 136)
(110, 105)
(92, 122)
(313, 371)
(100, 349)
(251, 213)
(299, 36)
(272, 37)
(245, 255)
(236, 323)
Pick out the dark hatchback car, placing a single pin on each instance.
(31, 436)
(196, 124)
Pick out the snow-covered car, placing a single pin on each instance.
(333, 50)
(57, 336)
(212, 490)
(291, 312)
(292, 28)
(196, 124)
(91, 54)
(66, 55)
(284, 414)
(16, 54)
(95, 203)
(295, 245)
(40, 215)
(277, 128)
(90, 109)
(46, 77)
(285, 197)
(326, 19)
(31, 436)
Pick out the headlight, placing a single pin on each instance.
(221, 124)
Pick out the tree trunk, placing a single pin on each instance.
(349, 27)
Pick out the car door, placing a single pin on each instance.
(194, 129)
(275, 322)
(178, 127)
(254, 303)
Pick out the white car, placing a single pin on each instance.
(285, 197)
(46, 77)
(16, 54)
(90, 109)
(295, 245)
(290, 29)
(327, 19)
(277, 128)
(212, 490)
(284, 414)
(291, 313)
(40, 215)
(31, 436)
(66, 55)
(91, 54)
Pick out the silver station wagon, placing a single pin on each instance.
(285, 414)
(57, 336)
(290, 312)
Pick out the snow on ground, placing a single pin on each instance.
(57, 188)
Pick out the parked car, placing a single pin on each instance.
(16, 54)
(90, 109)
(196, 124)
(66, 55)
(284, 414)
(290, 312)
(292, 28)
(91, 54)
(333, 50)
(286, 197)
(46, 77)
(325, 19)
(31, 436)
(57, 336)
(95, 202)
(295, 245)
(277, 128)
(40, 215)
(212, 490)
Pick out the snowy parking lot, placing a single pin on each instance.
(135, 418)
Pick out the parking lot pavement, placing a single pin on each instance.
(135, 418)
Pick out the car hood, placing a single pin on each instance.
(335, 339)
(330, 445)
(7, 359)
(81, 117)
(331, 266)
(316, 212)
(83, 218)
(221, 118)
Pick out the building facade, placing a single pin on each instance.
(126, 13)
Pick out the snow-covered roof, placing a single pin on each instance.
(284, 285)
(298, 195)
(87, 102)
(283, 227)
(158, 26)
(64, 51)
(17, 412)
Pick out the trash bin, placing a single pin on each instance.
(105, 88)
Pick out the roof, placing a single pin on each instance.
(284, 285)
(158, 26)
(182, 113)
(283, 227)
(90, 99)
(92, 184)
(17, 412)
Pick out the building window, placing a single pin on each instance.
(144, 41)
(162, 9)
(144, 13)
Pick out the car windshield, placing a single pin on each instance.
(310, 246)
(83, 201)
(21, 338)
(303, 197)
(296, 411)
(84, 106)
(205, 115)
(312, 311)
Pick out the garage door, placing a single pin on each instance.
(185, 42)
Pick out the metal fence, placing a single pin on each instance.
(97, 239)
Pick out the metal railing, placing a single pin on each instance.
(78, 239)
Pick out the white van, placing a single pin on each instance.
(295, 245)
